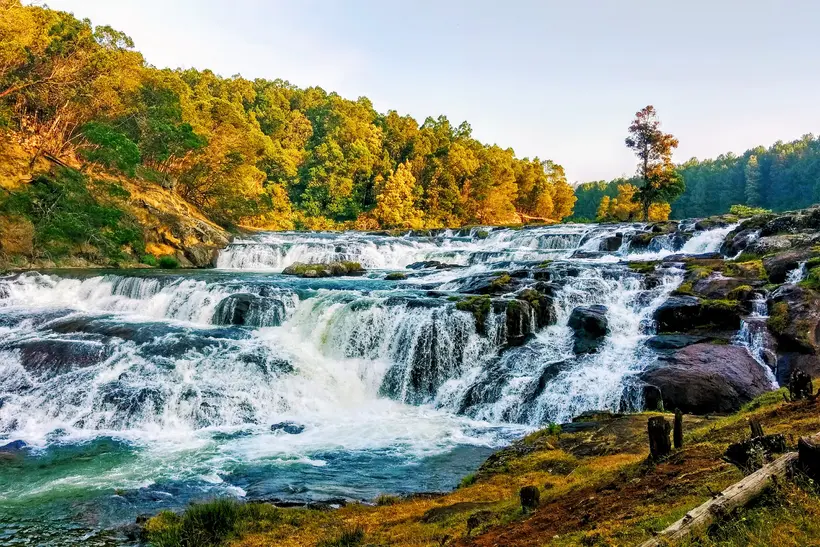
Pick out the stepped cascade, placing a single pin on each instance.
(172, 382)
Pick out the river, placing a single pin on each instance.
(136, 390)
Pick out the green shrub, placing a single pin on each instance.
(149, 260)
(779, 318)
(168, 262)
(744, 211)
(467, 481)
(812, 280)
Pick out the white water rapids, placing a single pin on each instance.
(191, 369)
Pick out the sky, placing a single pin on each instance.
(560, 80)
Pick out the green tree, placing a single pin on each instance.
(752, 173)
(660, 182)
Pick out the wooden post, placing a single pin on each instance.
(677, 433)
(659, 445)
(757, 429)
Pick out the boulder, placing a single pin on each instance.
(717, 286)
(794, 319)
(779, 266)
(590, 327)
(330, 269)
(612, 243)
(665, 342)
(432, 264)
(738, 241)
(706, 378)
(249, 309)
(291, 428)
(519, 321)
(202, 256)
(495, 284)
(50, 357)
(542, 305)
(689, 313)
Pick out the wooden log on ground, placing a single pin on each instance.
(659, 444)
(738, 495)
(677, 430)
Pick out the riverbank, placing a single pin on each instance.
(596, 484)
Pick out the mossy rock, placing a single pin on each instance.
(642, 267)
(752, 269)
(479, 306)
(395, 276)
(743, 292)
(331, 269)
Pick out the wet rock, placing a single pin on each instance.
(590, 327)
(664, 342)
(612, 243)
(542, 305)
(432, 264)
(395, 276)
(330, 269)
(794, 319)
(718, 286)
(519, 321)
(688, 313)
(291, 428)
(739, 240)
(49, 357)
(249, 309)
(202, 256)
(778, 266)
(707, 378)
(494, 284)
(13, 446)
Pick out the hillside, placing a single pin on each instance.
(261, 153)
(68, 214)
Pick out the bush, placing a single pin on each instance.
(110, 148)
(149, 260)
(386, 499)
(744, 211)
(168, 262)
(467, 481)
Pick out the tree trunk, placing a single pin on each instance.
(677, 434)
(659, 445)
(738, 495)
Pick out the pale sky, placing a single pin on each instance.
(556, 79)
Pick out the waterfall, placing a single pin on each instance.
(755, 337)
(182, 377)
(797, 275)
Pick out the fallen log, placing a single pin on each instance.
(738, 495)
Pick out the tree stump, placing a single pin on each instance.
(752, 454)
(677, 433)
(530, 498)
(800, 385)
(659, 444)
(757, 429)
(808, 451)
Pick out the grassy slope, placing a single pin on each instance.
(596, 489)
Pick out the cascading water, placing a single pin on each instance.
(136, 391)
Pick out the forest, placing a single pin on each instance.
(782, 177)
(257, 153)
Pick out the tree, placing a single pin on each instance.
(396, 200)
(660, 180)
(752, 173)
